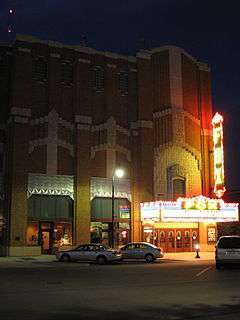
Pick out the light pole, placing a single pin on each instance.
(119, 173)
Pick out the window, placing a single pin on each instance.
(80, 248)
(162, 234)
(179, 187)
(123, 83)
(99, 79)
(229, 243)
(130, 246)
(40, 69)
(66, 73)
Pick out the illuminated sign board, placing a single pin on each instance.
(219, 186)
(197, 209)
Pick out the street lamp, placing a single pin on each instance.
(119, 173)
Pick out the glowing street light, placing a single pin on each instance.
(118, 173)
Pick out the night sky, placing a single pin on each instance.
(207, 29)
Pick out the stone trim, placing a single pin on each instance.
(133, 70)
(65, 123)
(20, 119)
(173, 111)
(83, 119)
(162, 113)
(38, 121)
(203, 66)
(108, 125)
(24, 50)
(84, 127)
(190, 116)
(144, 54)
(84, 61)
(26, 112)
(173, 48)
(46, 141)
(55, 55)
(195, 153)
(50, 185)
(45, 119)
(123, 130)
(102, 187)
(142, 124)
(78, 48)
(107, 146)
(109, 65)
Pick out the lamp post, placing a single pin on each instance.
(119, 173)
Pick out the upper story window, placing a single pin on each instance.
(66, 73)
(123, 82)
(179, 187)
(99, 79)
(40, 69)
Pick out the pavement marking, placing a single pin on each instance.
(203, 271)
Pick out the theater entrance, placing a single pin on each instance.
(172, 239)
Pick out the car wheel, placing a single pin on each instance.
(101, 260)
(65, 258)
(149, 258)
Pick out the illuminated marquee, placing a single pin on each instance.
(219, 187)
(197, 209)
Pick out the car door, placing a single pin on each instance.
(128, 252)
(141, 250)
(91, 253)
(78, 253)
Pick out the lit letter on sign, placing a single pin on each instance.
(219, 187)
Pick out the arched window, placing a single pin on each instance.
(187, 234)
(162, 234)
(170, 234)
(179, 235)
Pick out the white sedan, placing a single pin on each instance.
(89, 252)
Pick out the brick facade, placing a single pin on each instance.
(69, 114)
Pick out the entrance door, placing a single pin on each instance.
(46, 241)
(177, 240)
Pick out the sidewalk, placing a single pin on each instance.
(189, 256)
(179, 256)
(42, 258)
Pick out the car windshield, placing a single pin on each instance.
(229, 243)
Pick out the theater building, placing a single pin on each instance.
(71, 115)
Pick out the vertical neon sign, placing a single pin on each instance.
(219, 185)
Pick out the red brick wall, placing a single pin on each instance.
(65, 162)
(192, 133)
(190, 86)
(161, 80)
(38, 160)
(206, 99)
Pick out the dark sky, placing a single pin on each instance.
(207, 29)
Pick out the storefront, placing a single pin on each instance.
(178, 226)
(49, 222)
(101, 221)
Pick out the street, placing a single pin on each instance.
(163, 290)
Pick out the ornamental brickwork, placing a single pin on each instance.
(76, 111)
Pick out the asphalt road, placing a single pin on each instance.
(162, 290)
